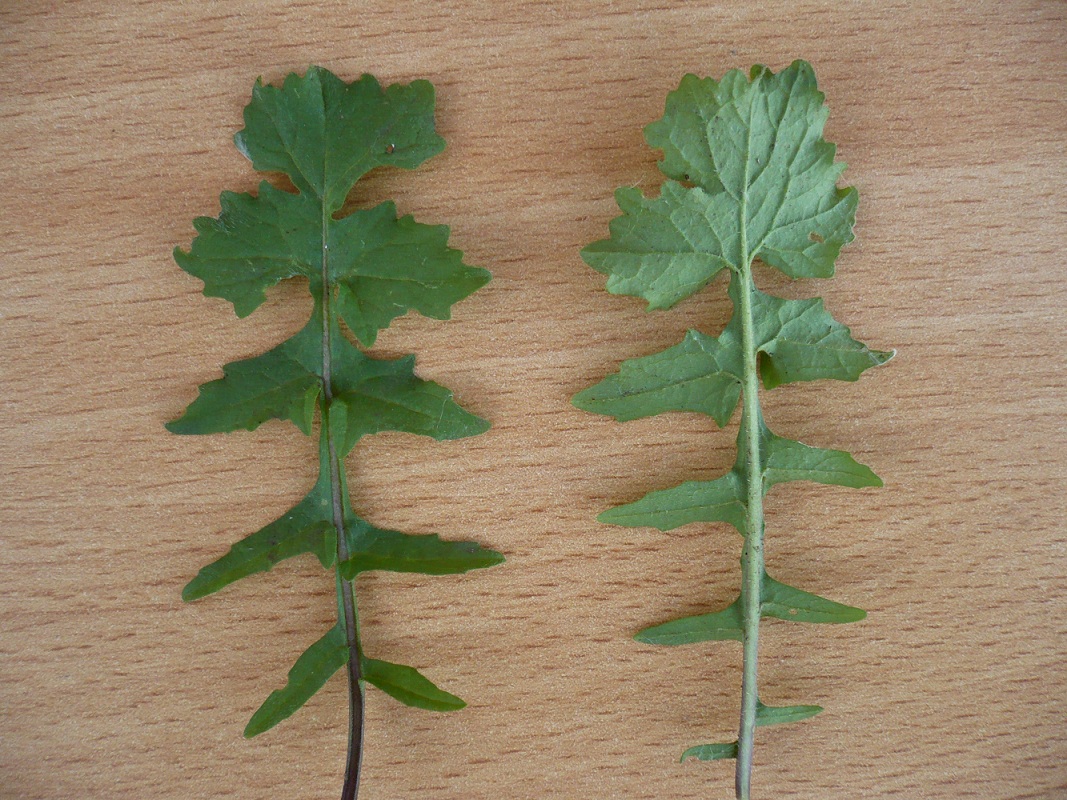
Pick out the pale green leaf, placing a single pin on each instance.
(699, 374)
(667, 248)
(799, 341)
(409, 686)
(682, 133)
(777, 600)
(711, 752)
(785, 602)
(792, 461)
(720, 626)
(749, 178)
(309, 674)
(780, 715)
(754, 148)
(721, 500)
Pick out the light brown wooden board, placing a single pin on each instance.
(115, 131)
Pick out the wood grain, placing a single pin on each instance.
(115, 126)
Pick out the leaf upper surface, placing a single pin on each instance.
(326, 134)
(365, 268)
(309, 674)
(385, 266)
(409, 686)
(372, 548)
(385, 395)
(283, 383)
(256, 242)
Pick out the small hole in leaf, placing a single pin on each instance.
(390, 148)
(816, 237)
(793, 612)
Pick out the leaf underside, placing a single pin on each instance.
(363, 268)
(749, 177)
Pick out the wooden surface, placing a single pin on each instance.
(116, 131)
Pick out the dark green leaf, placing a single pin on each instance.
(722, 625)
(385, 266)
(305, 528)
(408, 686)
(785, 602)
(373, 548)
(385, 395)
(309, 674)
(720, 500)
(326, 134)
(256, 242)
(283, 383)
(711, 752)
(700, 374)
(366, 268)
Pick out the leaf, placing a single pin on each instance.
(800, 341)
(373, 269)
(749, 177)
(663, 249)
(309, 674)
(256, 242)
(780, 715)
(326, 134)
(777, 600)
(283, 383)
(408, 686)
(305, 528)
(720, 500)
(711, 752)
(700, 374)
(372, 548)
(385, 395)
(794, 605)
(721, 625)
(365, 268)
(792, 461)
(754, 148)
